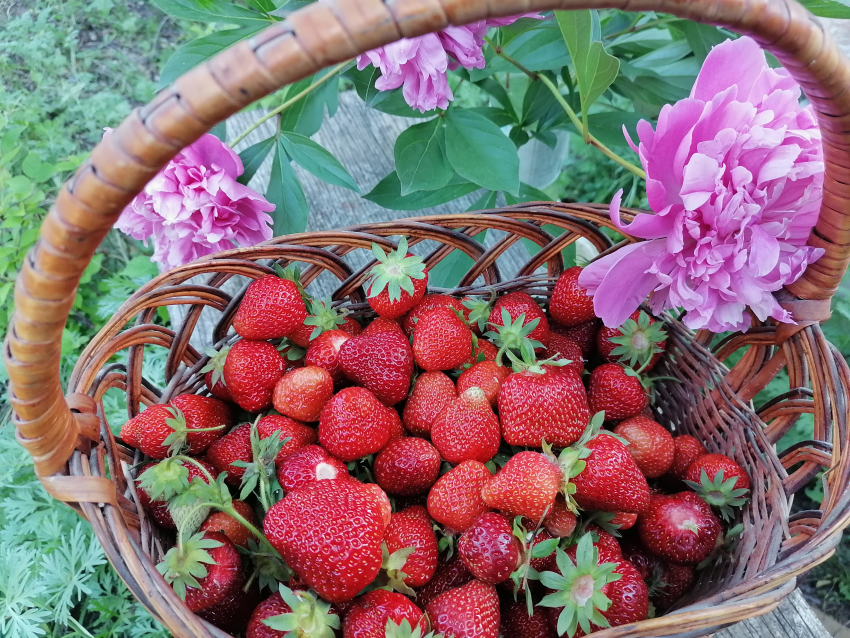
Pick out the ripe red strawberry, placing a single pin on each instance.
(214, 377)
(271, 308)
(520, 303)
(487, 375)
(543, 405)
(526, 486)
(611, 481)
(382, 324)
(429, 302)
(302, 393)
(584, 334)
(672, 582)
(432, 392)
(624, 520)
(397, 282)
(643, 560)
(298, 434)
(310, 616)
(158, 507)
(639, 342)
(489, 549)
(605, 541)
(720, 481)
(455, 499)
(468, 611)
(616, 393)
(441, 341)
(570, 304)
(324, 353)
(233, 613)
(233, 446)
(650, 445)
(407, 465)
(560, 521)
(467, 429)
(412, 528)
(370, 614)
(229, 526)
(309, 464)
(354, 424)
(251, 371)
(483, 350)
(314, 528)
(381, 363)
(323, 317)
(561, 347)
(516, 623)
(679, 528)
(450, 573)
(687, 450)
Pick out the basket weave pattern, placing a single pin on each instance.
(81, 463)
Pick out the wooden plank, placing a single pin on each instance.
(792, 619)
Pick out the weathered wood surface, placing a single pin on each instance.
(792, 619)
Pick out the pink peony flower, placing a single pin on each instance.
(195, 206)
(734, 174)
(420, 63)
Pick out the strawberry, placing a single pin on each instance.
(302, 393)
(570, 304)
(271, 308)
(382, 324)
(616, 392)
(483, 350)
(687, 450)
(539, 404)
(542, 563)
(638, 343)
(526, 486)
(397, 282)
(468, 611)
(720, 481)
(229, 526)
(373, 613)
(679, 528)
(298, 434)
(432, 392)
(455, 499)
(152, 418)
(450, 573)
(561, 347)
(324, 353)
(354, 424)
(584, 334)
(624, 520)
(520, 304)
(467, 429)
(214, 377)
(407, 465)
(411, 528)
(489, 549)
(323, 317)
(309, 464)
(441, 341)
(429, 302)
(381, 363)
(487, 375)
(251, 371)
(233, 446)
(595, 589)
(605, 541)
(287, 612)
(560, 521)
(516, 623)
(314, 528)
(233, 613)
(644, 561)
(650, 445)
(670, 584)
(183, 564)
(170, 478)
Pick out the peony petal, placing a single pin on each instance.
(738, 61)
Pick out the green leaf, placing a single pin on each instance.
(317, 160)
(701, 37)
(266, 6)
(219, 11)
(540, 48)
(480, 152)
(35, 169)
(420, 157)
(607, 127)
(306, 115)
(387, 193)
(364, 84)
(395, 104)
(285, 192)
(253, 157)
(499, 117)
(498, 92)
(196, 51)
(828, 8)
(539, 105)
(544, 548)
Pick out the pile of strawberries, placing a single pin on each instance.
(467, 467)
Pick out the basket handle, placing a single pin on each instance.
(312, 38)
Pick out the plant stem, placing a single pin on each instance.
(185, 458)
(589, 139)
(290, 102)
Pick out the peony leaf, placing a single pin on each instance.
(253, 157)
(480, 152)
(316, 159)
(388, 193)
(285, 192)
(420, 157)
(828, 8)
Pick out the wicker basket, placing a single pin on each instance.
(80, 462)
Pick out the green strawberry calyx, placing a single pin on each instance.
(392, 565)
(404, 630)
(269, 568)
(638, 341)
(578, 588)
(525, 572)
(176, 441)
(395, 271)
(291, 351)
(166, 479)
(186, 562)
(293, 274)
(512, 336)
(479, 309)
(572, 459)
(325, 317)
(260, 473)
(310, 617)
(216, 364)
(720, 493)
(521, 365)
